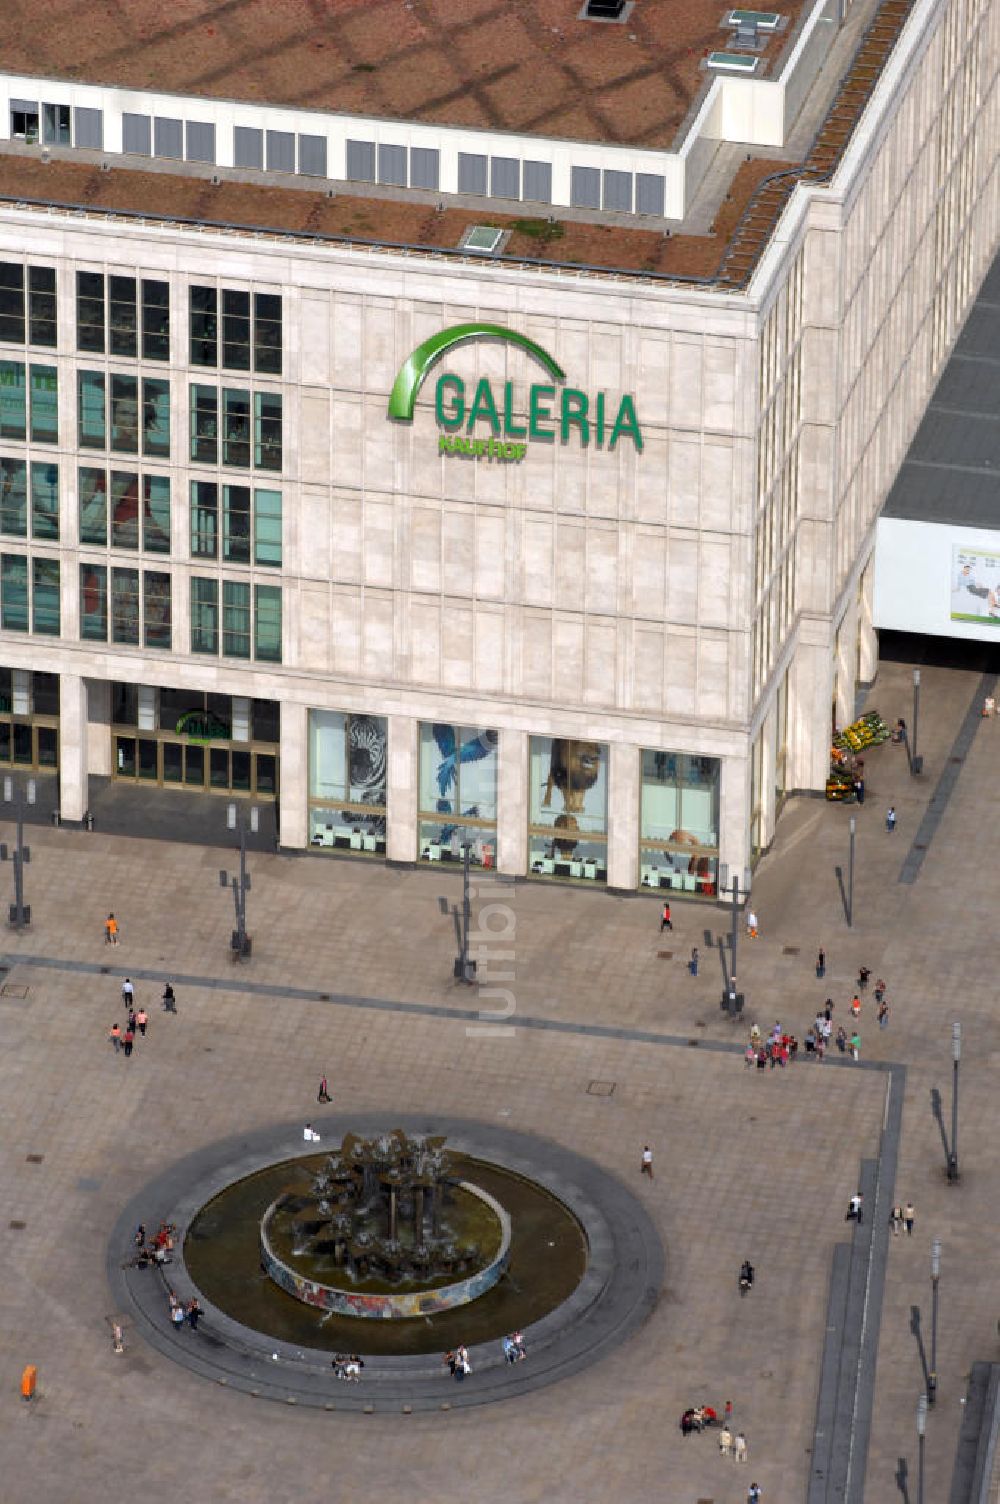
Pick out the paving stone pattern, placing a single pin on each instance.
(748, 1164)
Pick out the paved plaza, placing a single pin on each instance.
(351, 975)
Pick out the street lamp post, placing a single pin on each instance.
(916, 763)
(956, 1055)
(19, 913)
(850, 877)
(465, 970)
(240, 943)
(729, 998)
(935, 1276)
(921, 1428)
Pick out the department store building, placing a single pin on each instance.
(562, 556)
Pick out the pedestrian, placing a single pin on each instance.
(740, 1448)
(855, 1006)
(509, 1350)
(752, 927)
(194, 1312)
(909, 1217)
(883, 1014)
(828, 1009)
(133, 1021)
(896, 1221)
(647, 1162)
(729, 1413)
(890, 819)
(749, 1056)
(821, 964)
(725, 1441)
(177, 1315)
(115, 1035)
(323, 1095)
(142, 1019)
(693, 963)
(864, 975)
(842, 1039)
(855, 1209)
(879, 990)
(855, 1046)
(169, 1001)
(128, 994)
(666, 923)
(859, 788)
(111, 930)
(129, 1042)
(754, 1496)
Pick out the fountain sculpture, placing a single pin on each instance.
(387, 1229)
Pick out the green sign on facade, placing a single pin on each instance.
(482, 425)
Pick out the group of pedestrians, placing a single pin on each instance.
(137, 1021)
(124, 1038)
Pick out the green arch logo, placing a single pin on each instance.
(413, 370)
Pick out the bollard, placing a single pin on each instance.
(88, 821)
(29, 1380)
(56, 817)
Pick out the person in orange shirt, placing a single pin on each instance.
(115, 1035)
(111, 930)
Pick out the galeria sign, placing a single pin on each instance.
(481, 424)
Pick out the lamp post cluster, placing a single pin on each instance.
(956, 1056)
(732, 1000)
(20, 797)
(241, 943)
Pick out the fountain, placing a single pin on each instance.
(387, 1228)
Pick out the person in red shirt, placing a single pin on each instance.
(129, 1041)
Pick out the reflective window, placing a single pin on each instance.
(347, 781)
(45, 596)
(13, 593)
(91, 410)
(93, 602)
(458, 793)
(204, 616)
(568, 808)
(679, 831)
(14, 498)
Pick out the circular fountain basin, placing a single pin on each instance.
(343, 1296)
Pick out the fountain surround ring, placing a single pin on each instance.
(616, 1295)
(390, 1306)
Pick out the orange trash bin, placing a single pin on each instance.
(29, 1378)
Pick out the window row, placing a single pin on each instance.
(29, 597)
(251, 428)
(27, 304)
(132, 607)
(113, 313)
(114, 410)
(245, 339)
(29, 494)
(56, 124)
(567, 811)
(365, 161)
(136, 609)
(245, 528)
(124, 510)
(29, 402)
(237, 628)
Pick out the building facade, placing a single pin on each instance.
(590, 610)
